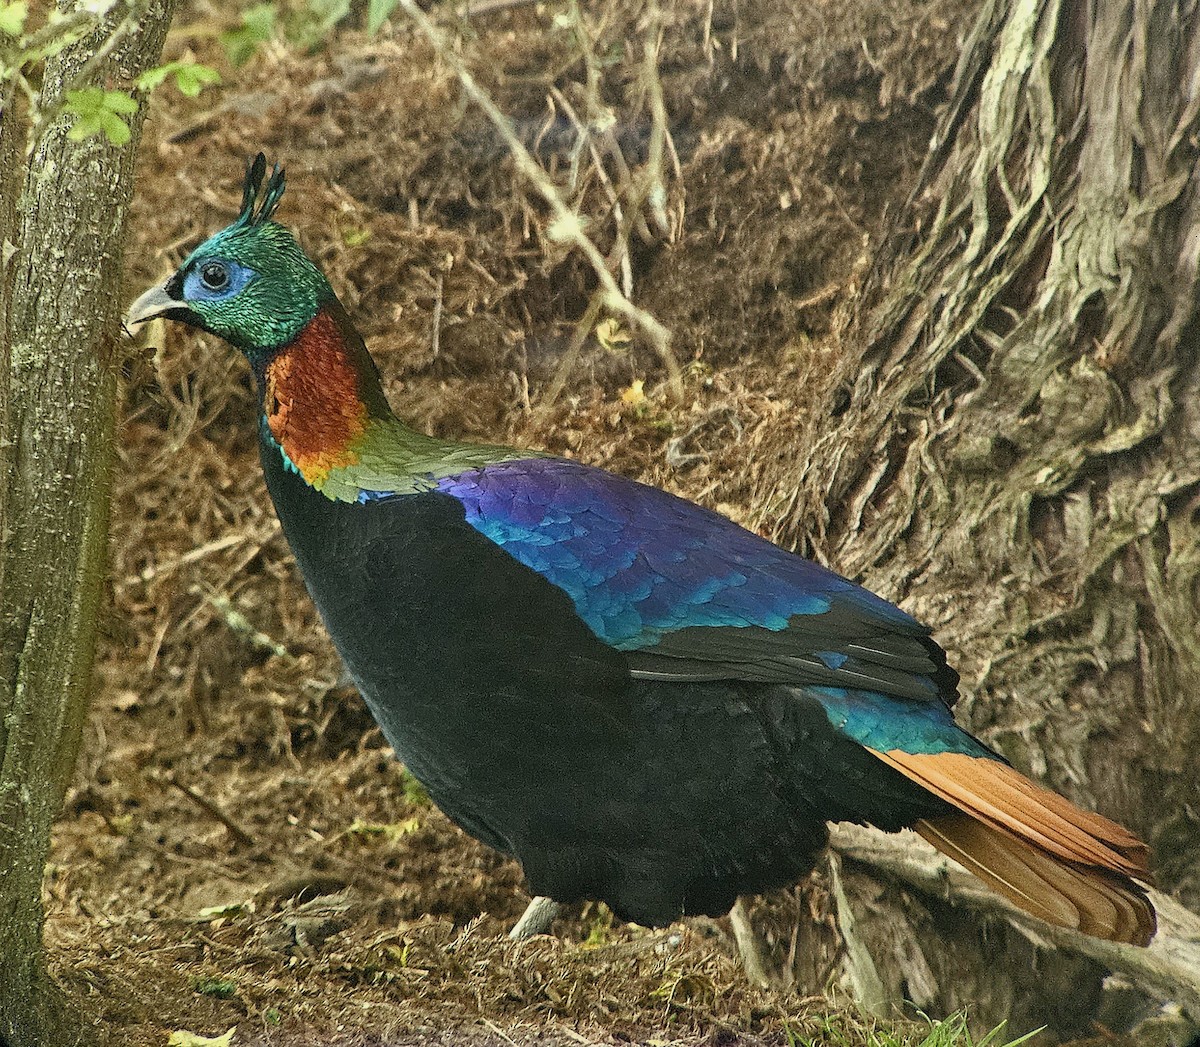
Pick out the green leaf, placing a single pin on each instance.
(153, 78)
(119, 102)
(414, 791)
(97, 111)
(84, 102)
(218, 988)
(257, 27)
(190, 77)
(219, 912)
(260, 20)
(388, 830)
(310, 28)
(16, 14)
(193, 78)
(328, 13)
(115, 129)
(12, 18)
(377, 12)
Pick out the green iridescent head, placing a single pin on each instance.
(250, 284)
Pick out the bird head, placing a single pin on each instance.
(250, 284)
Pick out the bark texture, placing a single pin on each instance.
(1016, 458)
(63, 205)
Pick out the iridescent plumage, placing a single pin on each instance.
(639, 699)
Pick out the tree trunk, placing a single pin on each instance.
(1019, 460)
(62, 206)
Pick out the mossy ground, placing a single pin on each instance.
(239, 847)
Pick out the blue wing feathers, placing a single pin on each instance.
(690, 595)
(605, 539)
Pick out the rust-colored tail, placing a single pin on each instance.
(1065, 865)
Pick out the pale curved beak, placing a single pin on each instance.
(155, 302)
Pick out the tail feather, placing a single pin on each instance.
(1069, 867)
(1099, 903)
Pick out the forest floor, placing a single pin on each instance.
(239, 849)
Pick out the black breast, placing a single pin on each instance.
(472, 663)
(659, 798)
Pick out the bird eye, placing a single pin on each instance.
(214, 275)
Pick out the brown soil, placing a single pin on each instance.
(239, 847)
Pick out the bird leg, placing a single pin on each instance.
(537, 919)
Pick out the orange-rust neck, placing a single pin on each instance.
(313, 399)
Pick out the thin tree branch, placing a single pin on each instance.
(1169, 965)
(567, 224)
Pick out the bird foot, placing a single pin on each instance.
(536, 919)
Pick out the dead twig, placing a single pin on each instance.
(660, 135)
(436, 338)
(583, 327)
(211, 809)
(567, 225)
(588, 139)
(1168, 966)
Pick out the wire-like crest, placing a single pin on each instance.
(256, 171)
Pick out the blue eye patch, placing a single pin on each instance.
(196, 289)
